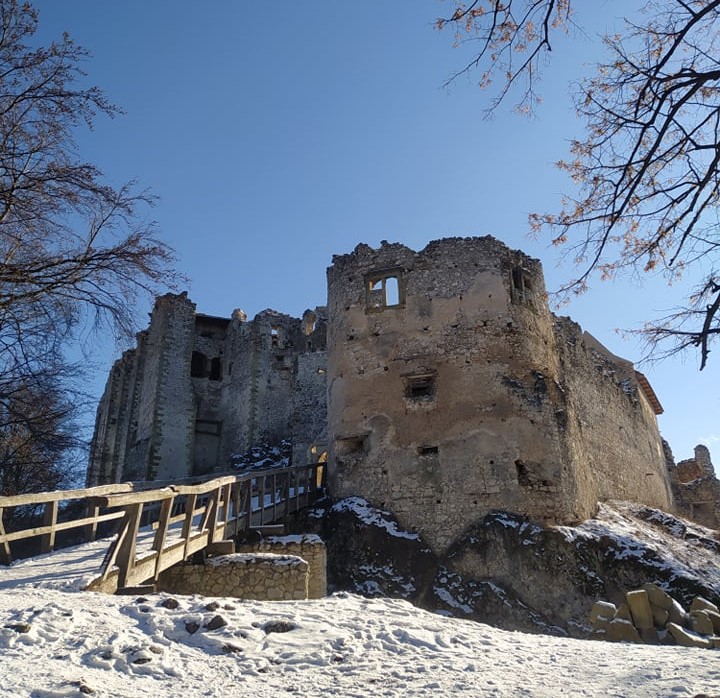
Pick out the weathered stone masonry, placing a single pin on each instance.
(452, 391)
(199, 389)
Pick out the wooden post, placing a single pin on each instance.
(93, 510)
(128, 546)
(286, 492)
(211, 514)
(261, 499)
(190, 503)
(248, 503)
(159, 542)
(274, 496)
(47, 542)
(5, 555)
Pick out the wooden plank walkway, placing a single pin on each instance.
(161, 524)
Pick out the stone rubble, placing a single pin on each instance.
(651, 616)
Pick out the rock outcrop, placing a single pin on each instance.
(516, 574)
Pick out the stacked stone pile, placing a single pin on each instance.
(650, 615)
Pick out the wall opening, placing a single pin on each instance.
(351, 445)
(420, 387)
(309, 322)
(385, 290)
(216, 369)
(523, 475)
(428, 450)
(275, 336)
(198, 365)
(522, 285)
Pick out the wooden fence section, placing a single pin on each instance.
(159, 526)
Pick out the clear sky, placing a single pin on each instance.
(279, 134)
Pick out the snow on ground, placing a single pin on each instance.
(58, 641)
(61, 643)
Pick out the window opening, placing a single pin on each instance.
(523, 476)
(216, 369)
(522, 284)
(309, 322)
(275, 336)
(384, 291)
(392, 291)
(428, 450)
(198, 365)
(420, 387)
(207, 426)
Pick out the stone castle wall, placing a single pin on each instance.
(199, 389)
(308, 547)
(452, 391)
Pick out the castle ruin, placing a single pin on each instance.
(452, 390)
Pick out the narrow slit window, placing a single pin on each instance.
(351, 446)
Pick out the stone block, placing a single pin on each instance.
(678, 614)
(715, 618)
(623, 612)
(701, 604)
(640, 609)
(701, 623)
(602, 609)
(649, 636)
(657, 597)
(622, 631)
(221, 547)
(687, 638)
(660, 616)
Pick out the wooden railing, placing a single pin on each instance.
(161, 524)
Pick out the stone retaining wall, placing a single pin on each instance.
(260, 576)
(309, 547)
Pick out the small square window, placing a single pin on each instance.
(420, 387)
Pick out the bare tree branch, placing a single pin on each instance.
(648, 166)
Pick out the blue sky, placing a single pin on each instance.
(278, 134)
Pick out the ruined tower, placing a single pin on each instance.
(453, 391)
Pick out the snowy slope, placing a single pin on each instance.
(56, 643)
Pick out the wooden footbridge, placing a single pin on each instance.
(158, 524)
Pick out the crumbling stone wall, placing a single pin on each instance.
(144, 423)
(308, 547)
(199, 389)
(696, 489)
(451, 393)
(259, 576)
